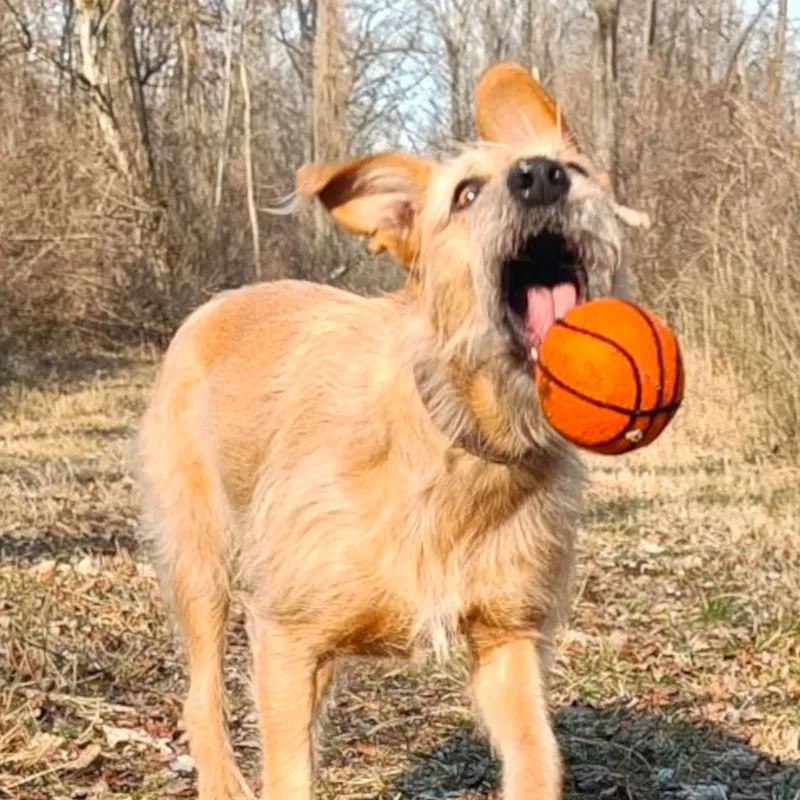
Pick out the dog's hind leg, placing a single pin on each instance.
(190, 531)
(204, 613)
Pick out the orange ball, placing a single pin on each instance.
(610, 376)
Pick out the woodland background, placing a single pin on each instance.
(142, 140)
(141, 144)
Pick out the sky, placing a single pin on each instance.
(794, 7)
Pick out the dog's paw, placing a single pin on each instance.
(229, 786)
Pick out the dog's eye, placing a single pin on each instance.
(466, 193)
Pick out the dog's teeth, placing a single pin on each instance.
(534, 354)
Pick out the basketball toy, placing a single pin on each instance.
(609, 376)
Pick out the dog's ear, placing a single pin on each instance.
(379, 196)
(511, 107)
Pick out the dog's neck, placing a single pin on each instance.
(477, 408)
(452, 415)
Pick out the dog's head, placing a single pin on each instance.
(498, 242)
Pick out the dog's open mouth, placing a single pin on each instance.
(543, 281)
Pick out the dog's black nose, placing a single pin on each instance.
(537, 181)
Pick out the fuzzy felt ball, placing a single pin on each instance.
(610, 376)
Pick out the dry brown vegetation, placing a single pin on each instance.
(134, 183)
(678, 676)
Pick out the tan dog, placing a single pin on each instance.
(377, 471)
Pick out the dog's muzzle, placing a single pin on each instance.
(537, 182)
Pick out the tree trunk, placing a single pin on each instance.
(710, 37)
(534, 37)
(307, 18)
(650, 27)
(605, 88)
(330, 93)
(109, 65)
(90, 24)
(775, 74)
(459, 126)
(130, 102)
(648, 45)
(225, 127)
(247, 128)
(734, 67)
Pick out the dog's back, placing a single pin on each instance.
(243, 371)
(249, 362)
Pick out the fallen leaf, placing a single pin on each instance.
(44, 569)
(115, 736)
(618, 640)
(704, 791)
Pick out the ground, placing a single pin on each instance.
(677, 677)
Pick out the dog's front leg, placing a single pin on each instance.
(285, 682)
(509, 685)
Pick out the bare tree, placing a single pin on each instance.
(231, 41)
(331, 83)
(453, 24)
(247, 144)
(113, 76)
(605, 85)
(775, 73)
(499, 21)
(650, 29)
(93, 22)
(331, 90)
(734, 59)
(533, 28)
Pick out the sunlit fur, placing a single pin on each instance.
(376, 473)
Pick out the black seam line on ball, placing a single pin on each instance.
(634, 369)
(674, 403)
(635, 413)
(660, 356)
(632, 414)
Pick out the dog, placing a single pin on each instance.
(377, 472)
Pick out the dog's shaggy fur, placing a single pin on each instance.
(378, 471)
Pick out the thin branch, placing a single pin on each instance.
(226, 112)
(742, 40)
(248, 162)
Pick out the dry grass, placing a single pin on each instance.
(678, 678)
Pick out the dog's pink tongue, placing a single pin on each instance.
(546, 304)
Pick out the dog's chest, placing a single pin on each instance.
(399, 554)
(492, 558)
